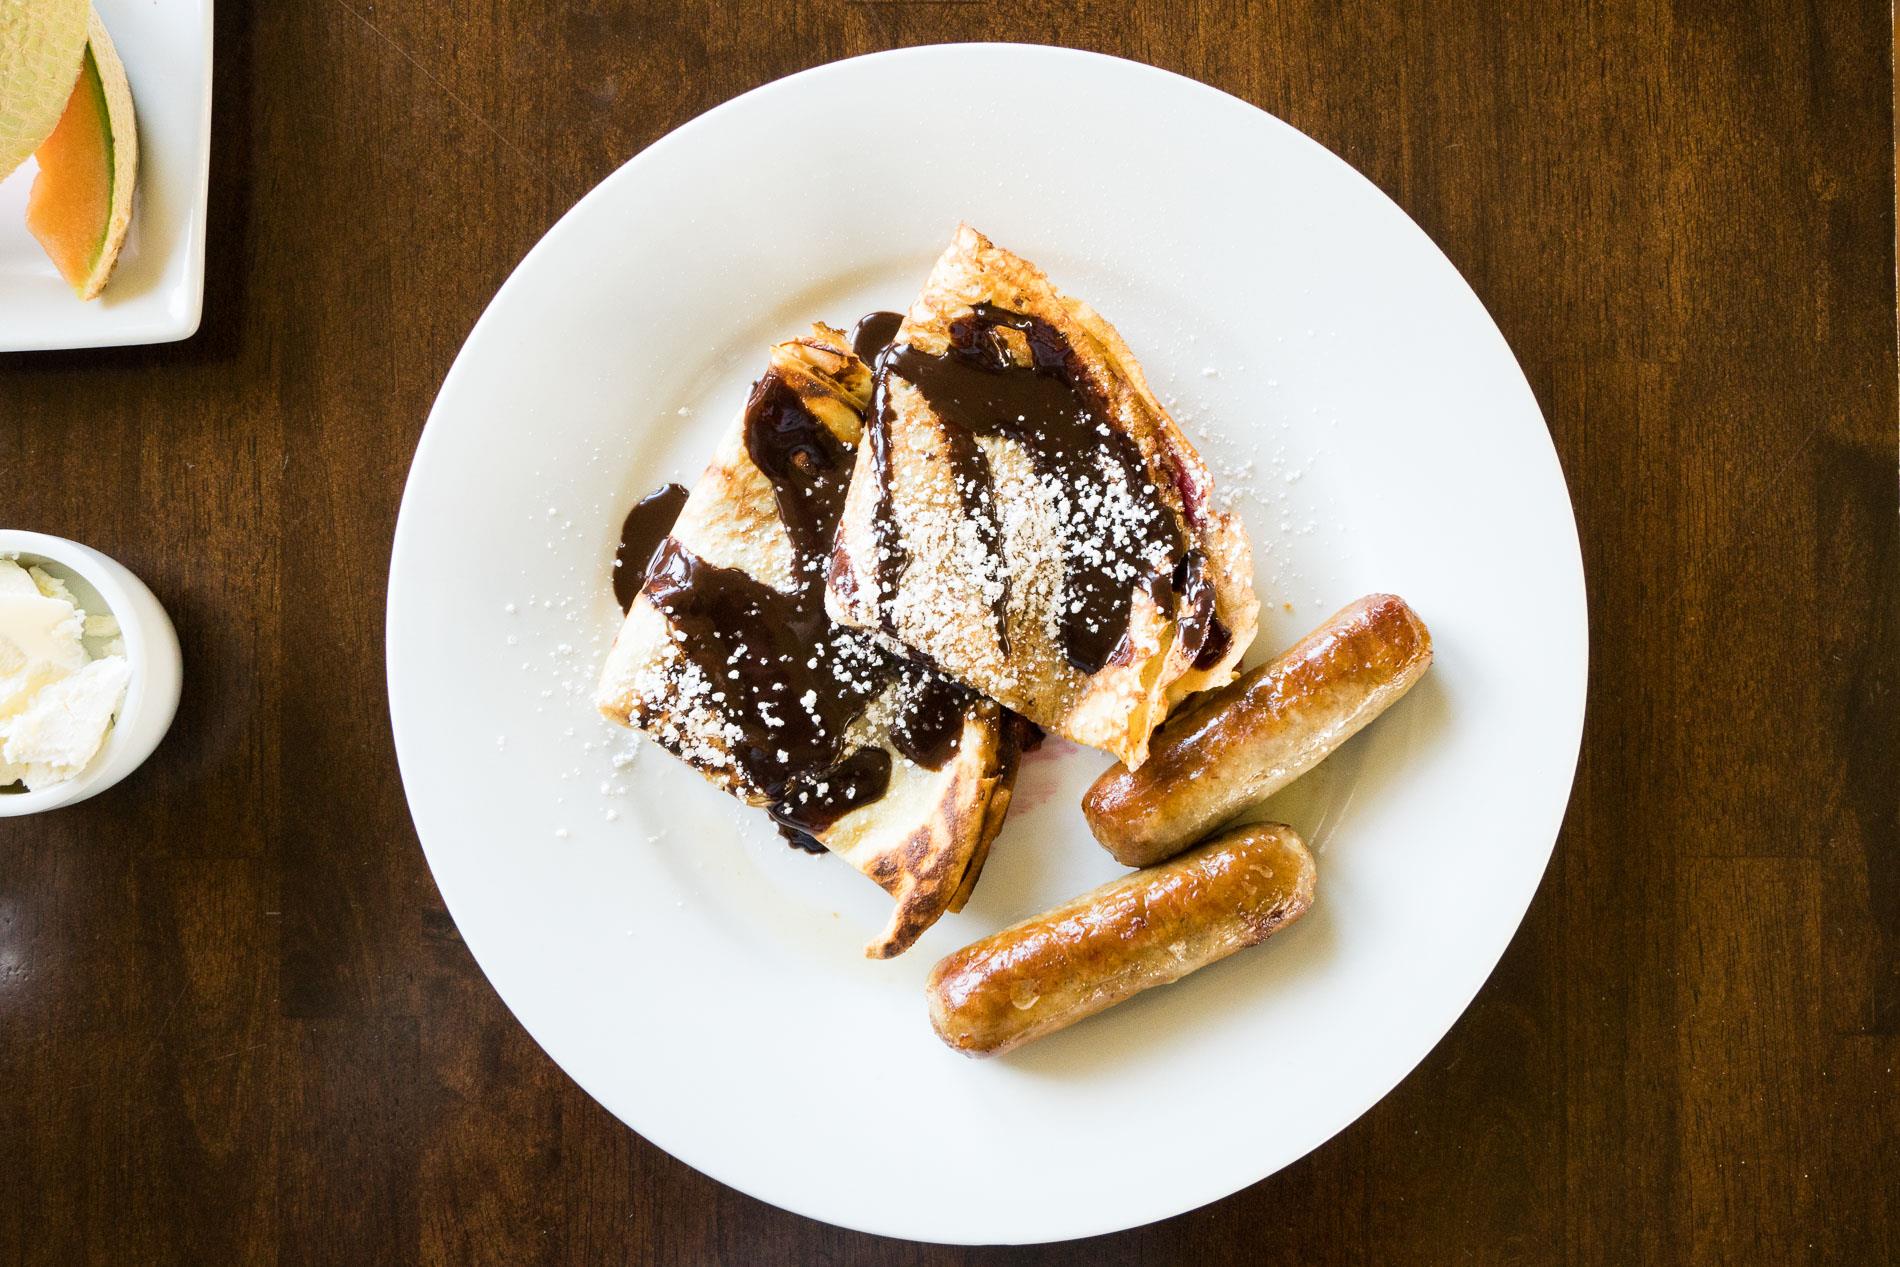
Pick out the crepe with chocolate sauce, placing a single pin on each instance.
(1027, 517)
(728, 659)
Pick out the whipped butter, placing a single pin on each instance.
(57, 697)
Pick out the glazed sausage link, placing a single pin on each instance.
(1142, 930)
(1238, 745)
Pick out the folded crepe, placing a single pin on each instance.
(728, 660)
(1026, 516)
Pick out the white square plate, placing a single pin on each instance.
(157, 291)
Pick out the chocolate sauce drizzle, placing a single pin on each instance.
(1053, 411)
(787, 680)
(650, 520)
(1192, 601)
(809, 467)
(874, 333)
(930, 713)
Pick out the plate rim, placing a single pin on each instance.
(1572, 687)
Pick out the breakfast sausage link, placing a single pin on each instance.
(1142, 930)
(1246, 741)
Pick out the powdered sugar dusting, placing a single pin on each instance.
(1263, 478)
(561, 625)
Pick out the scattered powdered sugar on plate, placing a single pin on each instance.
(561, 626)
(1261, 480)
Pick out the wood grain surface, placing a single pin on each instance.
(236, 1024)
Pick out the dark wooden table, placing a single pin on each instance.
(236, 1024)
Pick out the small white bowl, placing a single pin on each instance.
(151, 648)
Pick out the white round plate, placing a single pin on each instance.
(703, 981)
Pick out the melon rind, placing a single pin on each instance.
(123, 141)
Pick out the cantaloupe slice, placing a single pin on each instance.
(40, 46)
(81, 202)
